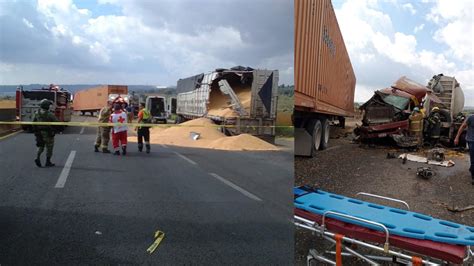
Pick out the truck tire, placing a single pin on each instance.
(315, 128)
(325, 134)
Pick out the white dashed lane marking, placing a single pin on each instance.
(185, 158)
(65, 172)
(234, 186)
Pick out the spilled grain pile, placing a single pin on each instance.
(210, 137)
(220, 104)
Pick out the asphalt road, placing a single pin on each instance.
(215, 207)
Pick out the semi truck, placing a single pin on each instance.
(241, 97)
(324, 78)
(387, 113)
(27, 103)
(93, 99)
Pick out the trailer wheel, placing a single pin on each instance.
(325, 134)
(316, 131)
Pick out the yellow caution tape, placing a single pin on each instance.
(158, 238)
(98, 124)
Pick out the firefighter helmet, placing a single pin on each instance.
(45, 103)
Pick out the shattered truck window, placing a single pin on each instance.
(398, 102)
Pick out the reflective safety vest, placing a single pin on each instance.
(146, 116)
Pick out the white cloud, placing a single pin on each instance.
(154, 42)
(28, 23)
(401, 50)
(409, 7)
(418, 28)
(6, 67)
(380, 54)
(100, 51)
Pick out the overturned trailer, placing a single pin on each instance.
(387, 113)
(243, 98)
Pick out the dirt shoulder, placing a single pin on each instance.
(346, 168)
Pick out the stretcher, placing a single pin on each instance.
(360, 228)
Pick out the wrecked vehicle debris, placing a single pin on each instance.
(421, 159)
(387, 113)
(425, 172)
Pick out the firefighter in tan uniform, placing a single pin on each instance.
(416, 125)
(103, 133)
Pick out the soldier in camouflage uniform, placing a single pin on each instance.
(44, 133)
(103, 133)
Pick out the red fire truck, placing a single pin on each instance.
(27, 103)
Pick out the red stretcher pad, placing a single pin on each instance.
(443, 251)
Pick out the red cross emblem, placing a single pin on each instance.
(120, 120)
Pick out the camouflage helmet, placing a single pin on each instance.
(45, 103)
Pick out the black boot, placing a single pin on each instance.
(49, 163)
(105, 150)
(96, 148)
(124, 150)
(148, 148)
(38, 162)
(140, 147)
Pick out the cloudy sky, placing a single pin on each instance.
(140, 42)
(389, 39)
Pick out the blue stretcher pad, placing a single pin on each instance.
(398, 222)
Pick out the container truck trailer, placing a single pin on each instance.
(324, 78)
(93, 99)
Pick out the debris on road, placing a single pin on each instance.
(98, 232)
(209, 137)
(436, 154)
(194, 135)
(425, 172)
(457, 209)
(421, 159)
(158, 238)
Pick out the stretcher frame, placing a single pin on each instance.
(392, 254)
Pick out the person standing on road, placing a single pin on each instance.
(119, 130)
(469, 124)
(44, 133)
(103, 132)
(144, 117)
